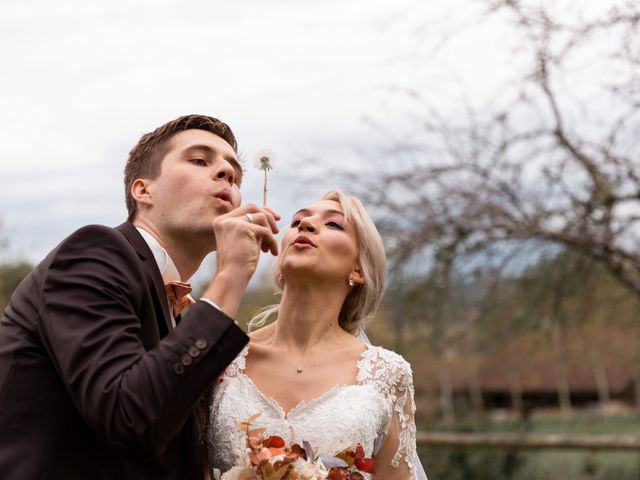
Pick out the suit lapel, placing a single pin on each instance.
(144, 252)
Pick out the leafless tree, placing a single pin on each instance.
(553, 160)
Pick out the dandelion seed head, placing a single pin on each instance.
(265, 160)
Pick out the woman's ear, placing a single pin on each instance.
(356, 276)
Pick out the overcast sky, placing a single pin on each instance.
(81, 81)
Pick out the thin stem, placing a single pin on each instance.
(264, 196)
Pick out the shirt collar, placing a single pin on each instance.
(167, 268)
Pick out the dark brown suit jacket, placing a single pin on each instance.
(93, 382)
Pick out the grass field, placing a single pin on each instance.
(494, 464)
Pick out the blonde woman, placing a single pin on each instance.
(309, 373)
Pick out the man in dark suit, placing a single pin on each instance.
(99, 373)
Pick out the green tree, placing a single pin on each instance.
(11, 274)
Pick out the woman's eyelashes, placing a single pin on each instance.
(330, 223)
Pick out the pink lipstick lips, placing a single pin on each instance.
(303, 242)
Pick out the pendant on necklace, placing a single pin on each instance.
(299, 369)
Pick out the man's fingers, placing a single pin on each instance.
(260, 215)
(272, 222)
(266, 240)
(273, 212)
(263, 219)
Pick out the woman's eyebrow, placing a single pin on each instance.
(306, 211)
(335, 212)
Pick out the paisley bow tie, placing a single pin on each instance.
(178, 295)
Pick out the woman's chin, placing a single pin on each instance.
(295, 265)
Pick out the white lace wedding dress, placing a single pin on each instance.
(340, 418)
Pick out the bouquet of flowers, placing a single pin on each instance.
(269, 459)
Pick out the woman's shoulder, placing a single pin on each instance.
(260, 337)
(386, 358)
(238, 364)
(384, 368)
(254, 351)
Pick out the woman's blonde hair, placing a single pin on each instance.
(362, 300)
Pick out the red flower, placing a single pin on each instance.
(274, 441)
(367, 465)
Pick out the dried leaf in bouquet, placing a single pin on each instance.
(270, 472)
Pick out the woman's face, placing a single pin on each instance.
(321, 243)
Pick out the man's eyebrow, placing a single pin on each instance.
(205, 148)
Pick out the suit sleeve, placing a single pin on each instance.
(92, 324)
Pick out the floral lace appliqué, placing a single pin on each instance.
(391, 374)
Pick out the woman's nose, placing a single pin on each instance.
(306, 225)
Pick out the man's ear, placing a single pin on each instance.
(140, 191)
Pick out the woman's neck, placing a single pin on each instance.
(308, 318)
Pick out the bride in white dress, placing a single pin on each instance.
(308, 374)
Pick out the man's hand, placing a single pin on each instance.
(240, 235)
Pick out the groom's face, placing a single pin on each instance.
(199, 180)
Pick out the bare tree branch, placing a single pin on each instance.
(540, 163)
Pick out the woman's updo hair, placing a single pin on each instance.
(363, 299)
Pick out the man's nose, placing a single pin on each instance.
(225, 172)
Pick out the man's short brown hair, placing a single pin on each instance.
(145, 159)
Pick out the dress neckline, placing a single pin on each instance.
(302, 404)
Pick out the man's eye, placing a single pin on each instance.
(199, 161)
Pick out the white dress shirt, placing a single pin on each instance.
(167, 267)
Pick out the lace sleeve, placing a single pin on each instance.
(392, 376)
(404, 418)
